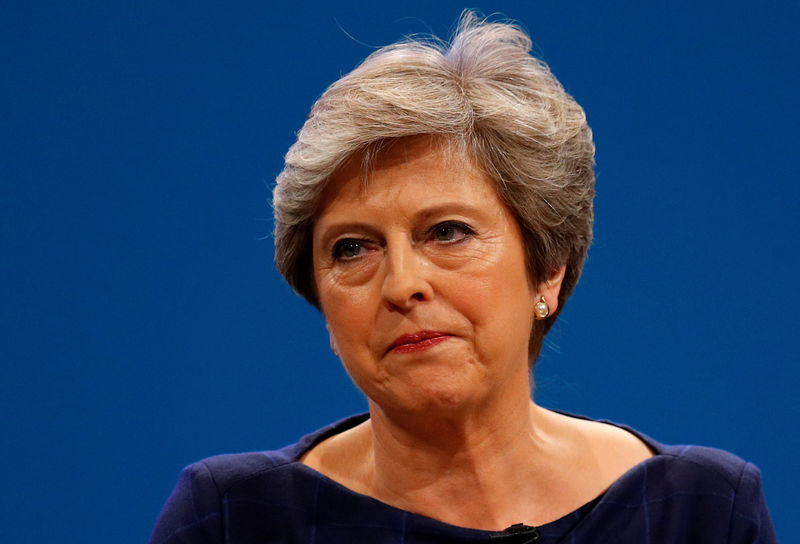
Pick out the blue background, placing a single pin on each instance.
(144, 325)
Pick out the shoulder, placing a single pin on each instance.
(687, 469)
(697, 494)
(709, 471)
(699, 463)
(230, 471)
(194, 510)
(227, 471)
(208, 490)
(686, 465)
(684, 493)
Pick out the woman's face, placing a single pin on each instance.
(422, 279)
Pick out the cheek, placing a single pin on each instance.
(496, 279)
(347, 311)
(494, 303)
(499, 297)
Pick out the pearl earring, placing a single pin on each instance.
(541, 310)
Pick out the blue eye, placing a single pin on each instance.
(450, 232)
(347, 249)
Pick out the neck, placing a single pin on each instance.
(459, 468)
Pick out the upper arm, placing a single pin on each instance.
(750, 519)
(193, 513)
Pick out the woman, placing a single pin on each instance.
(437, 209)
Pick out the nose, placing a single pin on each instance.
(405, 284)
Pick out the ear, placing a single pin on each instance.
(332, 338)
(551, 287)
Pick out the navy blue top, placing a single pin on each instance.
(683, 494)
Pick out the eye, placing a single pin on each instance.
(347, 249)
(450, 232)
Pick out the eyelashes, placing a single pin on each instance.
(347, 249)
(447, 233)
(450, 232)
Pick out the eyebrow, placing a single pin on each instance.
(450, 207)
(337, 229)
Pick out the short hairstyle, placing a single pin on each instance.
(482, 90)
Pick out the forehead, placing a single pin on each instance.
(415, 166)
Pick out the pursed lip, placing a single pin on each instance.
(418, 341)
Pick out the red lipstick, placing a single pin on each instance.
(418, 341)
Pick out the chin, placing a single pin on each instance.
(435, 393)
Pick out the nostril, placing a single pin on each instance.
(418, 296)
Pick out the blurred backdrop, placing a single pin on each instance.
(143, 323)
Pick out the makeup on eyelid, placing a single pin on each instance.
(457, 232)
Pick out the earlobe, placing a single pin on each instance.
(334, 346)
(546, 302)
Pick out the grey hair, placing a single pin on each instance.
(482, 90)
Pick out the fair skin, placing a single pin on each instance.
(422, 279)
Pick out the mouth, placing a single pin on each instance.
(418, 341)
